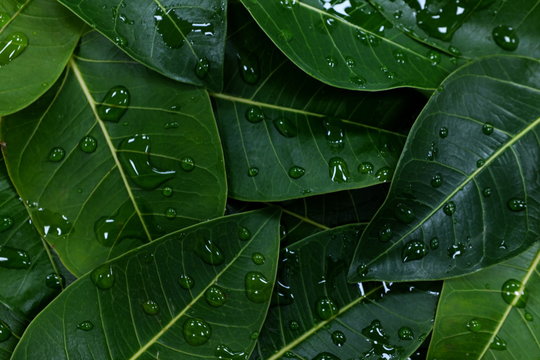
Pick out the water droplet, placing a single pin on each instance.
(414, 250)
(294, 325)
(258, 288)
(434, 57)
(286, 35)
(88, 144)
(366, 168)
(326, 308)
(56, 154)
(515, 204)
(186, 281)
(474, 325)
(505, 36)
(209, 252)
(52, 224)
(498, 344)
(456, 250)
(254, 114)
(480, 163)
(379, 341)
(202, 67)
(253, 171)
(436, 180)
(115, 104)
(170, 213)
(249, 68)
(389, 74)
(338, 170)
(258, 258)
(404, 213)
(384, 174)
(103, 277)
(397, 14)
(285, 127)
(13, 46)
(6, 223)
(55, 281)
(296, 172)
(288, 4)
(324, 356)
(405, 333)
(5, 331)
(171, 125)
(362, 270)
(331, 62)
(174, 29)
(196, 332)
(214, 296)
(150, 307)
(11, 258)
(358, 81)
(350, 62)
(85, 325)
(454, 50)
(434, 243)
(443, 132)
(339, 338)
(449, 208)
(513, 289)
(335, 136)
(120, 40)
(244, 234)
(487, 192)
(487, 128)
(400, 57)
(432, 151)
(134, 154)
(385, 233)
(225, 353)
(167, 191)
(529, 316)
(4, 18)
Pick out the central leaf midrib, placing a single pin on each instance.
(92, 104)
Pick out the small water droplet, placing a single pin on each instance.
(294, 325)
(480, 163)
(85, 325)
(244, 234)
(88, 144)
(5, 331)
(55, 281)
(258, 258)
(487, 128)
(338, 170)
(505, 36)
(434, 243)
(170, 213)
(474, 325)
(456, 250)
(436, 180)
(288, 4)
(414, 250)
(253, 171)
(186, 281)
(196, 332)
(498, 344)
(529, 316)
(454, 50)
(187, 164)
(515, 204)
(432, 151)
(339, 338)
(120, 40)
(326, 308)
(350, 62)
(12, 258)
(362, 270)
(254, 335)
(6, 223)
(254, 114)
(443, 132)
(223, 352)
(366, 168)
(296, 172)
(209, 252)
(487, 192)
(512, 289)
(202, 67)
(103, 277)
(400, 57)
(405, 333)
(331, 62)
(449, 208)
(258, 288)
(249, 68)
(335, 136)
(12, 46)
(404, 213)
(56, 154)
(385, 233)
(114, 104)
(150, 307)
(285, 127)
(167, 191)
(171, 125)
(397, 14)
(358, 81)
(384, 174)
(215, 296)
(324, 356)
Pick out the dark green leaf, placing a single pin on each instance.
(465, 194)
(493, 314)
(349, 44)
(183, 40)
(469, 28)
(315, 312)
(37, 38)
(98, 188)
(286, 135)
(142, 307)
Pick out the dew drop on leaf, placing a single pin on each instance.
(223, 352)
(487, 128)
(12, 46)
(517, 205)
(5, 331)
(339, 338)
(358, 81)
(103, 277)
(449, 208)
(334, 134)
(6, 222)
(288, 4)
(253, 171)
(414, 250)
(85, 325)
(258, 288)
(296, 172)
(249, 68)
(350, 62)
(170, 213)
(214, 296)
(285, 127)
(254, 114)
(88, 144)
(338, 170)
(498, 344)
(186, 281)
(385, 233)
(404, 213)
(443, 132)
(480, 163)
(244, 234)
(528, 316)
(12, 258)
(55, 281)
(384, 174)
(258, 258)
(434, 243)
(474, 325)
(505, 36)
(366, 168)
(196, 331)
(512, 289)
(115, 104)
(456, 250)
(434, 57)
(56, 154)
(487, 192)
(209, 252)
(294, 325)
(150, 307)
(202, 67)
(326, 356)
(326, 308)
(405, 333)
(167, 191)
(436, 180)
(168, 25)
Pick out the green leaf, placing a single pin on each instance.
(465, 194)
(101, 179)
(183, 40)
(286, 135)
(469, 28)
(349, 44)
(492, 314)
(37, 38)
(141, 305)
(316, 313)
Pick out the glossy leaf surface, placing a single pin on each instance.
(467, 327)
(286, 135)
(465, 194)
(177, 297)
(348, 44)
(31, 31)
(316, 314)
(114, 156)
(183, 40)
(469, 28)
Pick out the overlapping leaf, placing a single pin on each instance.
(183, 40)
(316, 314)
(465, 194)
(177, 297)
(114, 156)
(286, 135)
(37, 38)
(492, 314)
(348, 44)
(469, 28)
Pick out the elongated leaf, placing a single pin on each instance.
(348, 44)
(465, 194)
(30, 32)
(492, 314)
(469, 28)
(101, 179)
(316, 314)
(286, 135)
(177, 297)
(183, 40)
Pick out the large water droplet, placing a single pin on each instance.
(209, 252)
(55, 281)
(326, 308)
(215, 296)
(474, 325)
(338, 170)
(505, 36)
(379, 342)
(414, 250)
(103, 277)
(52, 224)
(512, 291)
(5, 331)
(85, 325)
(225, 353)
(339, 338)
(150, 307)
(285, 127)
(11, 258)
(254, 114)
(296, 172)
(114, 105)
(186, 281)
(134, 154)
(258, 288)
(12, 46)
(405, 333)
(196, 332)
(335, 136)
(88, 144)
(441, 20)
(498, 344)
(517, 204)
(404, 213)
(56, 154)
